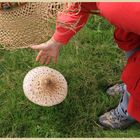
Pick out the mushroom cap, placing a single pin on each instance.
(45, 86)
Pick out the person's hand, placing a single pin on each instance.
(48, 51)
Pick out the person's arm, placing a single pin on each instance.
(69, 23)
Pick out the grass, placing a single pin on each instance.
(90, 63)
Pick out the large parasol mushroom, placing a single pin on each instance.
(45, 86)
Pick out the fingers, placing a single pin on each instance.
(43, 58)
(54, 60)
(39, 47)
(48, 60)
(39, 56)
(46, 56)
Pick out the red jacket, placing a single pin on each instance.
(125, 15)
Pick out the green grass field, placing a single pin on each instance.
(90, 63)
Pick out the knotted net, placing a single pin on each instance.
(24, 24)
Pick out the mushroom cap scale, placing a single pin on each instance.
(45, 86)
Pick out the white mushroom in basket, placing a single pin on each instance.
(45, 86)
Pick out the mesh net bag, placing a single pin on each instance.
(23, 24)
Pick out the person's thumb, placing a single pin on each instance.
(42, 46)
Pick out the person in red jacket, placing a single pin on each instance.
(125, 17)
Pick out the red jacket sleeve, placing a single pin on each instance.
(72, 22)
